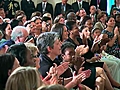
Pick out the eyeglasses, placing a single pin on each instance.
(35, 56)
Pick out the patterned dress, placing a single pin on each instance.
(115, 49)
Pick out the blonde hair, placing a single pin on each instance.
(32, 47)
(24, 78)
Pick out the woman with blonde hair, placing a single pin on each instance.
(35, 53)
(24, 78)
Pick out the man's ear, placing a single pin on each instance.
(18, 39)
(9, 72)
(49, 48)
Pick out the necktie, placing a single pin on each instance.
(63, 9)
(80, 6)
(98, 2)
(43, 7)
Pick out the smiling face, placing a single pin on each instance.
(8, 30)
(65, 33)
(111, 22)
(74, 30)
(68, 55)
(86, 32)
(29, 59)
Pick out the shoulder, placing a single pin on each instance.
(74, 3)
(68, 4)
(49, 4)
(85, 2)
(58, 3)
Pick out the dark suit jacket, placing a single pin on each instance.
(85, 5)
(27, 7)
(49, 8)
(102, 5)
(58, 8)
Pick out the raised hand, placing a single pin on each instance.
(116, 31)
(82, 49)
(62, 68)
(84, 74)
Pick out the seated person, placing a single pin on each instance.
(68, 55)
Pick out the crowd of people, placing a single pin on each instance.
(73, 47)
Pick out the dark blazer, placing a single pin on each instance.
(85, 5)
(28, 7)
(58, 8)
(49, 8)
(102, 5)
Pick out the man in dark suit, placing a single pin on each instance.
(61, 8)
(28, 7)
(80, 4)
(44, 6)
(101, 4)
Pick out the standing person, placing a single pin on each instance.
(100, 4)
(28, 7)
(80, 4)
(44, 7)
(61, 8)
(11, 7)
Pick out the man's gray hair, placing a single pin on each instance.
(17, 32)
(46, 39)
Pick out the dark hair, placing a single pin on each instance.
(46, 19)
(113, 9)
(14, 23)
(19, 12)
(46, 39)
(35, 18)
(109, 18)
(82, 27)
(56, 20)
(3, 27)
(70, 24)
(71, 16)
(19, 51)
(85, 19)
(66, 45)
(101, 14)
(58, 27)
(36, 13)
(6, 63)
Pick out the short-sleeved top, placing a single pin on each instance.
(115, 49)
